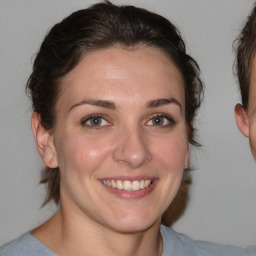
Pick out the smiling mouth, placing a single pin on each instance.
(128, 185)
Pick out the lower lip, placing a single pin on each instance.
(124, 194)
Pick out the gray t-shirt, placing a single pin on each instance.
(174, 244)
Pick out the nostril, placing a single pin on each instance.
(132, 149)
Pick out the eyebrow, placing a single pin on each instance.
(111, 105)
(97, 103)
(162, 102)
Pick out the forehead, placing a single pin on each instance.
(119, 74)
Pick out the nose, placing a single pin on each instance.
(132, 148)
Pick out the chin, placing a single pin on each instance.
(134, 224)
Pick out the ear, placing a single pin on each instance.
(44, 142)
(242, 120)
(187, 158)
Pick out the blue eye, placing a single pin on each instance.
(161, 120)
(94, 121)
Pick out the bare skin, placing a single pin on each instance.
(120, 122)
(246, 118)
(56, 233)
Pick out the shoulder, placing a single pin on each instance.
(183, 245)
(25, 245)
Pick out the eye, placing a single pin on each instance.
(161, 120)
(96, 121)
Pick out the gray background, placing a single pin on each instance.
(222, 205)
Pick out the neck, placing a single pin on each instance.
(67, 234)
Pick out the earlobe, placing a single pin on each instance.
(242, 120)
(44, 142)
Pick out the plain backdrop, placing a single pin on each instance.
(222, 206)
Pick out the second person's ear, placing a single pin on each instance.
(242, 120)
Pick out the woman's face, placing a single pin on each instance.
(120, 137)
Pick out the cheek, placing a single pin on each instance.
(82, 153)
(172, 152)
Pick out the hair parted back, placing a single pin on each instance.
(100, 26)
(245, 46)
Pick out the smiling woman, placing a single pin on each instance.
(116, 131)
(114, 96)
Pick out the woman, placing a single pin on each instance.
(114, 96)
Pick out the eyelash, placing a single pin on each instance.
(89, 118)
(170, 120)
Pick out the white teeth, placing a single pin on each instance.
(142, 184)
(113, 184)
(119, 184)
(135, 185)
(127, 184)
(147, 183)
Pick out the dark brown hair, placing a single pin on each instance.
(245, 46)
(100, 26)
